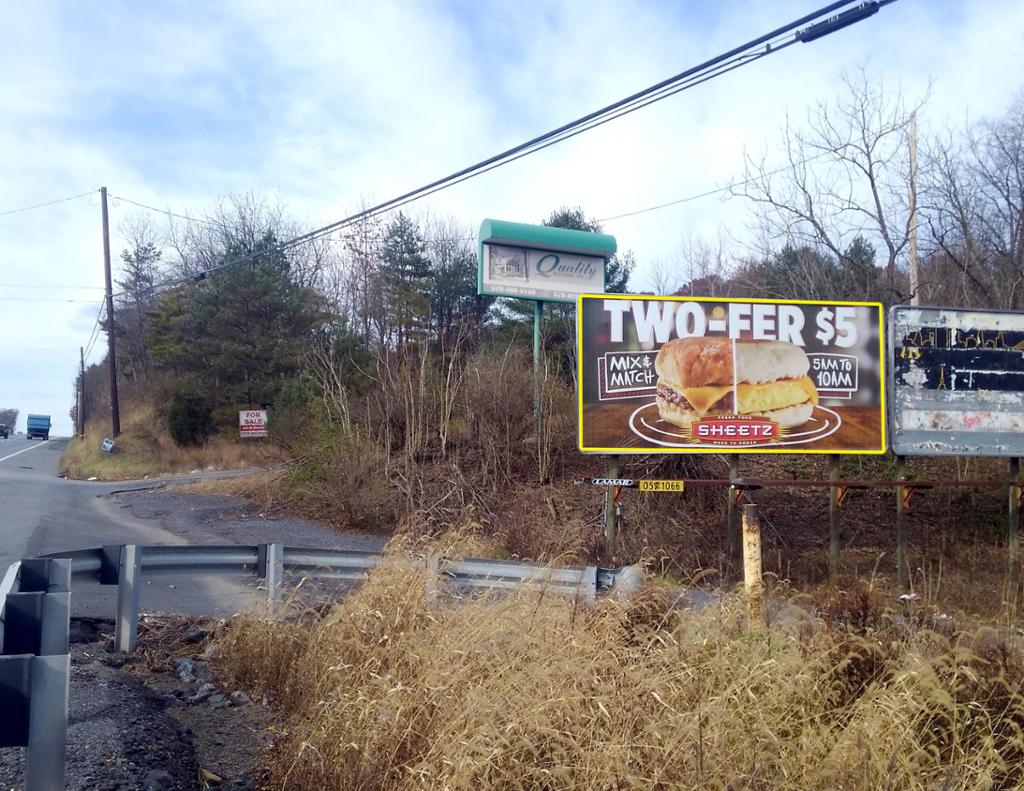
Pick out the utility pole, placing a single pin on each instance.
(915, 281)
(115, 410)
(81, 393)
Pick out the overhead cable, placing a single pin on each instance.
(47, 203)
(753, 50)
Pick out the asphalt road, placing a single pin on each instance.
(41, 513)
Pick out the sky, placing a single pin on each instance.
(326, 105)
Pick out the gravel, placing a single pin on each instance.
(120, 734)
(133, 727)
(220, 519)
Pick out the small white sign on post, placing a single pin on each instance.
(252, 423)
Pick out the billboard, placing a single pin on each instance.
(695, 374)
(956, 381)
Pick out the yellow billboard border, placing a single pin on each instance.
(725, 449)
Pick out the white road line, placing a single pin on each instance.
(25, 450)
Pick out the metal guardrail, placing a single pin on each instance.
(123, 566)
(35, 666)
(35, 614)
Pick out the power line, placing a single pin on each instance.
(40, 299)
(48, 203)
(95, 334)
(727, 188)
(753, 50)
(168, 212)
(47, 286)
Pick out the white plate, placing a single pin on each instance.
(648, 425)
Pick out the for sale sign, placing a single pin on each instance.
(694, 374)
(252, 423)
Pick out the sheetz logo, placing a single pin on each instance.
(734, 430)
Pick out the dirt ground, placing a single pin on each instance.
(141, 723)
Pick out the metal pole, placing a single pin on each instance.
(833, 518)
(115, 410)
(126, 628)
(901, 526)
(433, 580)
(1013, 528)
(270, 563)
(48, 723)
(752, 580)
(732, 524)
(538, 318)
(611, 527)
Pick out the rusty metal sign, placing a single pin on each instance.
(956, 382)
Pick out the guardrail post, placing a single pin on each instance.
(47, 723)
(901, 525)
(270, 567)
(433, 579)
(1013, 529)
(833, 518)
(590, 583)
(15, 689)
(752, 579)
(126, 629)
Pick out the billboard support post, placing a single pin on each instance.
(611, 525)
(1013, 527)
(833, 518)
(901, 525)
(731, 514)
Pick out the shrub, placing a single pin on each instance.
(344, 478)
(190, 418)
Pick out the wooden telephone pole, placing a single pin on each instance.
(915, 278)
(81, 392)
(115, 409)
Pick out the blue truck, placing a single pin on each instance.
(38, 426)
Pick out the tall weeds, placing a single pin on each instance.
(389, 691)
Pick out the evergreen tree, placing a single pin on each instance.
(406, 269)
(139, 271)
(618, 269)
(243, 332)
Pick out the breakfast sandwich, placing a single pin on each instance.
(717, 376)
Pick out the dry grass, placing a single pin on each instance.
(390, 691)
(145, 448)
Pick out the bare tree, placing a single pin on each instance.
(847, 174)
(974, 208)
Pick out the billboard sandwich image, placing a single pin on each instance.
(691, 374)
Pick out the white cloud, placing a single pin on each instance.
(324, 103)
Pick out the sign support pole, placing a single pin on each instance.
(732, 513)
(901, 525)
(833, 518)
(611, 526)
(1013, 528)
(538, 318)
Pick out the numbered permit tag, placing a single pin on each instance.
(662, 486)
